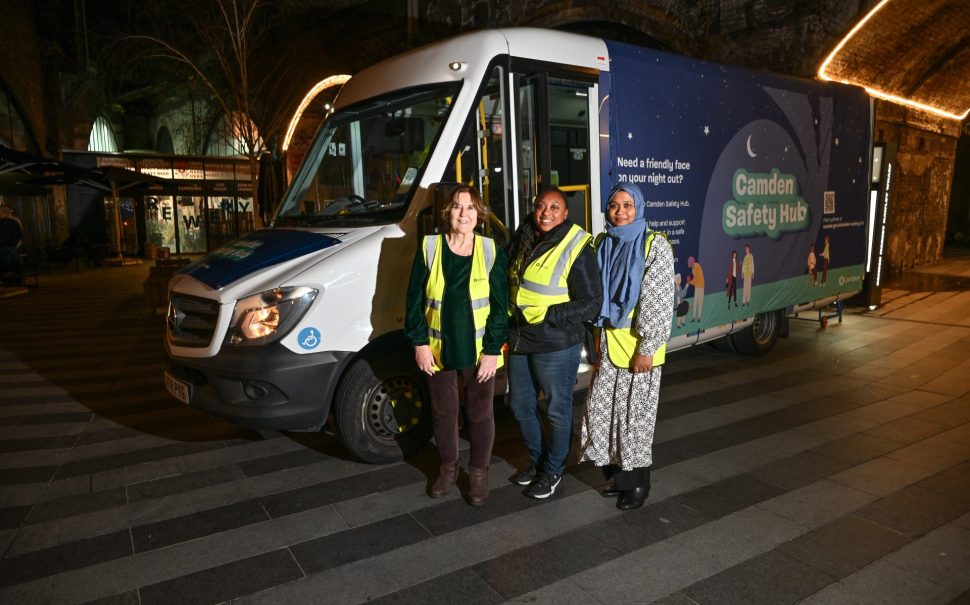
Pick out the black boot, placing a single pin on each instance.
(633, 498)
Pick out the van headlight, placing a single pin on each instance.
(268, 316)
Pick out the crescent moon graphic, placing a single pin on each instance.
(750, 152)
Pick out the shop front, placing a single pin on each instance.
(185, 205)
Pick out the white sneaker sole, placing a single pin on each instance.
(552, 490)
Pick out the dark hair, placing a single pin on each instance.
(553, 190)
(477, 203)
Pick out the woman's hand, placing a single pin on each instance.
(424, 358)
(641, 363)
(486, 367)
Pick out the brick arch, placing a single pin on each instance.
(650, 22)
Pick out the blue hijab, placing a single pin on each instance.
(620, 255)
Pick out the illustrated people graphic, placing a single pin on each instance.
(680, 304)
(696, 279)
(812, 265)
(731, 281)
(747, 275)
(825, 260)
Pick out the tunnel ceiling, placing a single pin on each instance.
(915, 49)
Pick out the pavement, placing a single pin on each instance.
(834, 470)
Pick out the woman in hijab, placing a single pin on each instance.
(637, 270)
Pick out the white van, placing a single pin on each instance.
(302, 320)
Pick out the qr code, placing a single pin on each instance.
(828, 202)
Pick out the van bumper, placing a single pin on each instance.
(266, 388)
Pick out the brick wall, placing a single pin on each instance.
(921, 183)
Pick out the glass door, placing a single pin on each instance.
(553, 140)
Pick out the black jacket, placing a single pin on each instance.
(563, 326)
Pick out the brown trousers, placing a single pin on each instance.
(445, 402)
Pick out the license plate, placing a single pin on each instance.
(179, 389)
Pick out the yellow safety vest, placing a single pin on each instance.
(621, 341)
(483, 259)
(544, 281)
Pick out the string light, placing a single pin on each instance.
(319, 87)
(874, 91)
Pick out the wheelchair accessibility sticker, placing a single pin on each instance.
(309, 338)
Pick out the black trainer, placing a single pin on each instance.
(524, 477)
(544, 486)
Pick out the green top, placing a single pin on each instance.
(457, 323)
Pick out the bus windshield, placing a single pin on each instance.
(366, 161)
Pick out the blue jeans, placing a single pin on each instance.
(555, 375)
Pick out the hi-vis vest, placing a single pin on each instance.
(543, 282)
(621, 341)
(483, 259)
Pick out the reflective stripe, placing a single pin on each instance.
(481, 303)
(430, 249)
(480, 333)
(432, 303)
(488, 247)
(434, 333)
(544, 289)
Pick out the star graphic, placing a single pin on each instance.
(629, 135)
(707, 130)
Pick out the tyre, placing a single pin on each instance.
(383, 408)
(760, 336)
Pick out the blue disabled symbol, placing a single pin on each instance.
(309, 338)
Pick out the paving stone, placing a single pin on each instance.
(463, 587)
(817, 503)
(952, 413)
(739, 536)
(843, 546)
(769, 579)
(942, 556)
(798, 470)
(456, 514)
(183, 483)
(11, 517)
(881, 476)
(34, 537)
(857, 448)
(125, 598)
(545, 562)
(76, 505)
(269, 464)
(933, 453)
(358, 543)
(188, 527)
(563, 592)
(725, 497)
(224, 582)
(57, 559)
(653, 523)
(906, 430)
(914, 510)
(879, 584)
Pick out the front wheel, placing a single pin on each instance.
(760, 336)
(383, 409)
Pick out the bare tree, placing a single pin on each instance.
(221, 47)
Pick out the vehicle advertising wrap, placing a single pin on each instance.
(759, 181)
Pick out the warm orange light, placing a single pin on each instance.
(874, 91)
(319, 87)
